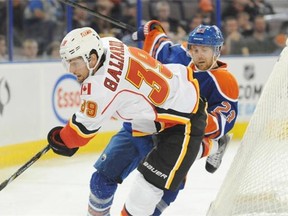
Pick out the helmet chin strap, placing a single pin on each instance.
(213, 62)
(91, 70)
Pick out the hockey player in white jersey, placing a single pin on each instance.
(128, 84)
(212, 75)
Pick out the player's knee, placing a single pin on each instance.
(102, 187)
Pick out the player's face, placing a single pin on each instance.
(202, 56)
(78, 67)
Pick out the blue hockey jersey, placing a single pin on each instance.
(218, 85)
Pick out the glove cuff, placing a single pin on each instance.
(57, 145)
(54, 136)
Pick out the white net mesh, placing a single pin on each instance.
(257, 181)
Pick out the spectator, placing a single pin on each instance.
(237, 6)
(40, 21)
(18, 13)
(29, 50)
(80, 16)
(101, 26)
(117, 9)
(3, 49)
(260, 42)
(18, 25)
(196, 20)
(129, 17)
(163, 14)
(206, 5)
(175, 38)
(3, 17)
(263, 7)
(129, 14)
(52, 51)
(281, 37)
(245, 25)
(206, 8)
(233, 37)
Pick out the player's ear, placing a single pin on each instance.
(92, 60)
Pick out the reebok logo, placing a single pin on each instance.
(155, 171)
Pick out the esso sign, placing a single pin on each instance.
(66, 97)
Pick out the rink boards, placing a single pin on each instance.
(35, 97)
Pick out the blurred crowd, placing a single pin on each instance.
(39, 25)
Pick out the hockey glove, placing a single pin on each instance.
(144, 30)
(57, 145)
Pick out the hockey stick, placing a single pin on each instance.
(24, 167)
(101, 16)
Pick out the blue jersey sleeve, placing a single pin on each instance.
(172, 54)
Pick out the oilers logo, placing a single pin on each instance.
(66, 97)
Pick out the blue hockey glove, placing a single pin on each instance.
(144, 30)
(57, 145)
(139, 34)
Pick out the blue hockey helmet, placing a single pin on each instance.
(206, 35)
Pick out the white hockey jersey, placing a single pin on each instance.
(130, 86)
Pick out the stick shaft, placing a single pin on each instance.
(99, 15)
(24, 167)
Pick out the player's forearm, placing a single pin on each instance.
(74, 136)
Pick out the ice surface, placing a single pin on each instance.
(60, 187)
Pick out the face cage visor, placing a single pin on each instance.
(75, 64)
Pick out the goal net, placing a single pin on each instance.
(257, 181)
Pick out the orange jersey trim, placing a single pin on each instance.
(139, 133)
(73, 137)
(171, 119)
(223, 77)
(212, 124)
(149, 41)
(124, 212)
(207, 146)
(195, 83)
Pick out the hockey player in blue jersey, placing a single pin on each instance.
(124, 152)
